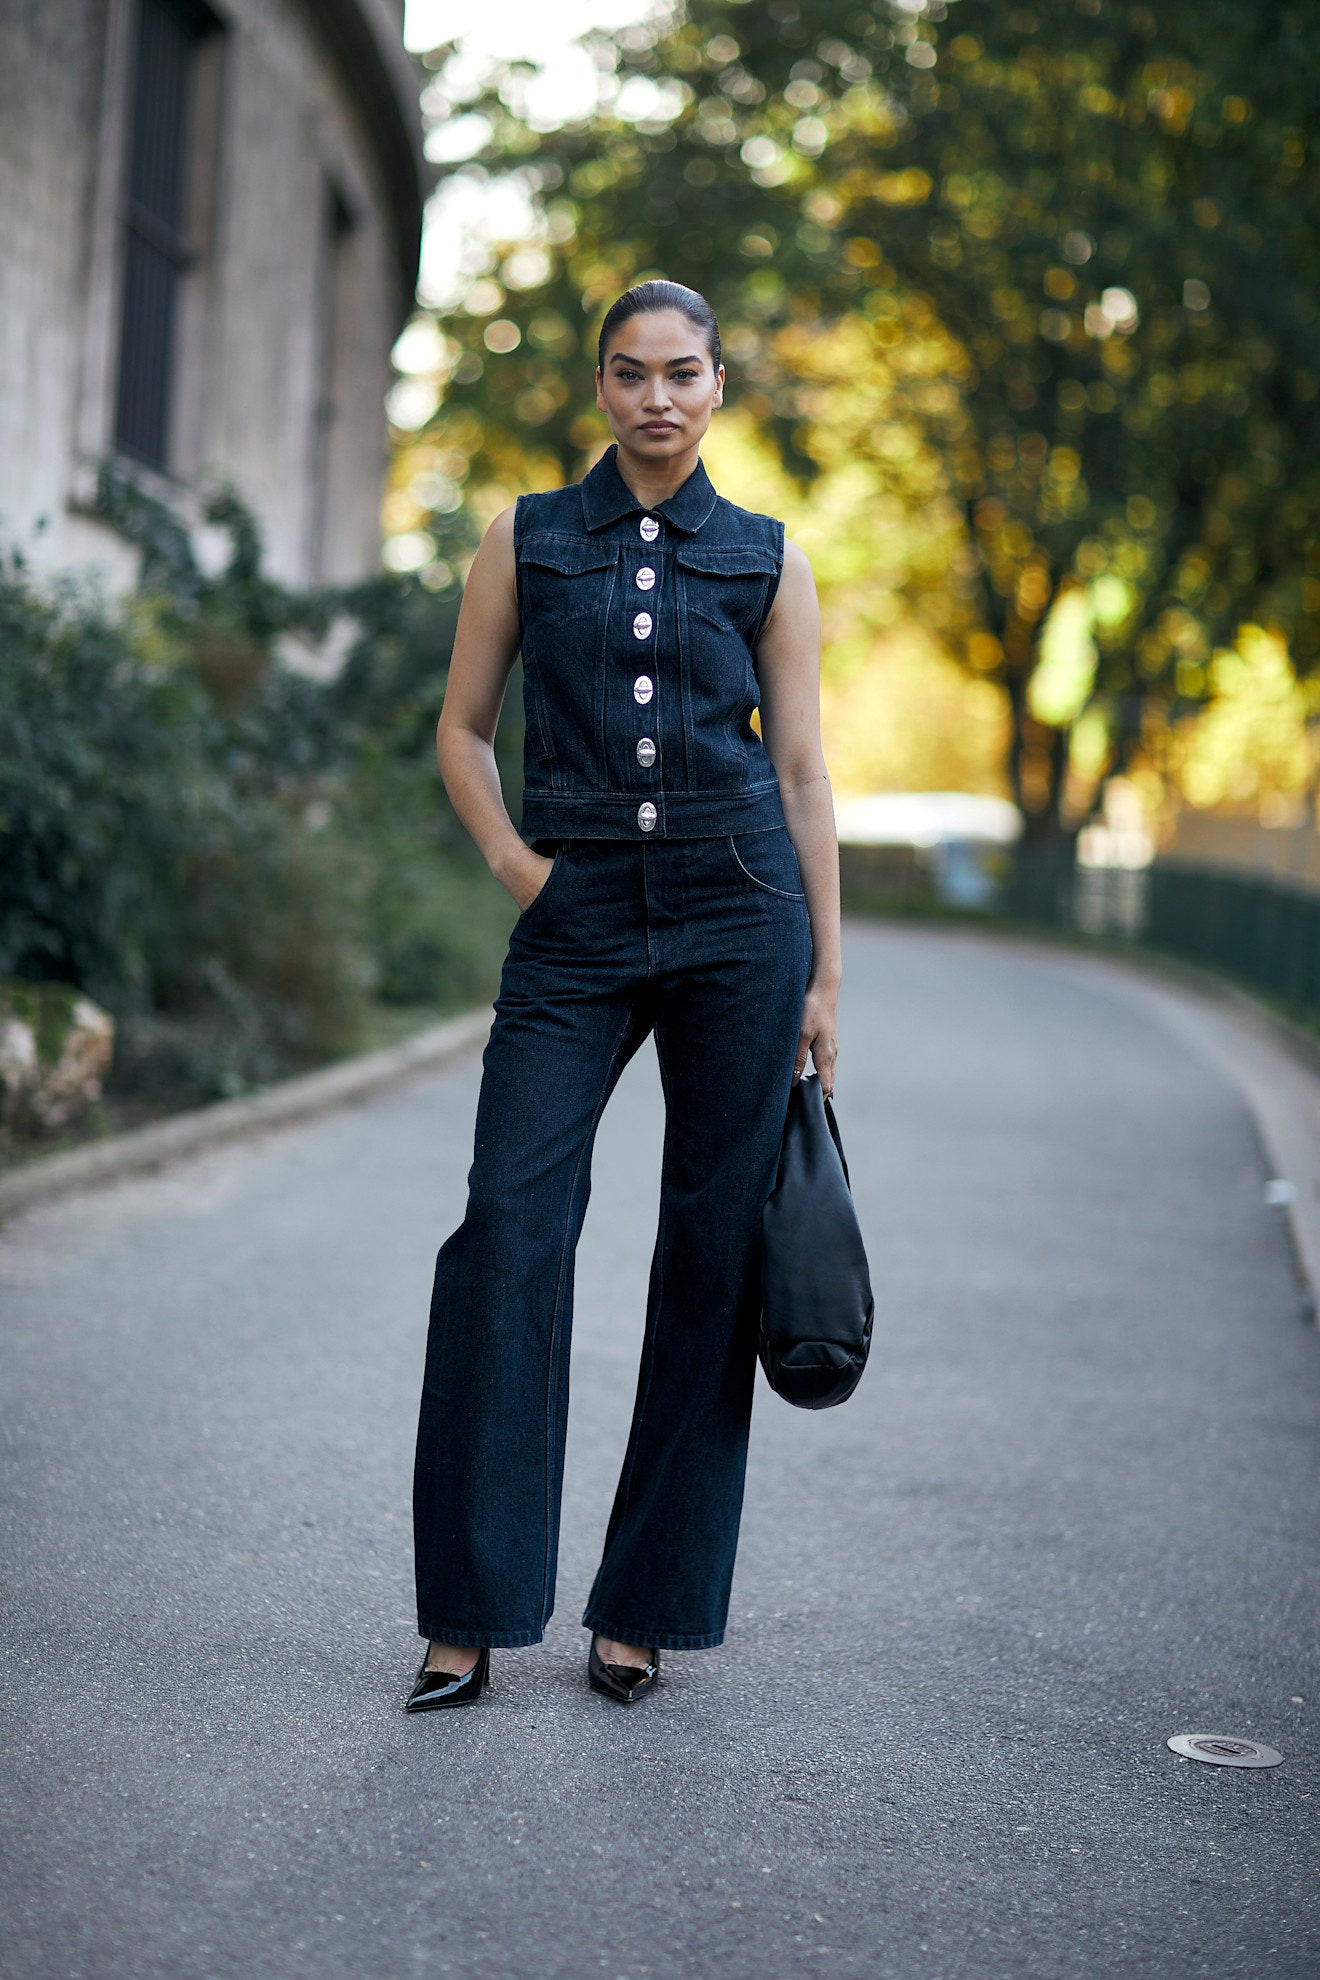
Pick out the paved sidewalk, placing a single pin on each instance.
(1071, 1510)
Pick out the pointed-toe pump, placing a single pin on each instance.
(435, 1691)
(625, 1683)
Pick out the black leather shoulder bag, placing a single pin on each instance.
(816, 1302)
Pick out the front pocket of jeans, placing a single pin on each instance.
(556, 868)
(767, 860)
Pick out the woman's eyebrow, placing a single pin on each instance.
(621, 357)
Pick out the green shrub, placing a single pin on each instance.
(234, 858)
(437, 922)
(104, 786)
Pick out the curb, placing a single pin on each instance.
(280, 1105)
(1281, 1090)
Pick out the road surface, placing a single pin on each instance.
(1071, 1510)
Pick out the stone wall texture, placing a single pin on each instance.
(282, 351)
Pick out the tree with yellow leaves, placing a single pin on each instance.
(1047, 268)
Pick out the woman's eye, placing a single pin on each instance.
(684, 377)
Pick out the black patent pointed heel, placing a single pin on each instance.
(436, 1691)
(624, 1683)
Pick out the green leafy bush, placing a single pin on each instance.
(234, 858)
(434, 916)
(106, 786)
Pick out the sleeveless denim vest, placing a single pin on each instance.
(639, 634)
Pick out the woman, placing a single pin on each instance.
(683, 882)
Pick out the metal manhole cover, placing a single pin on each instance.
(1223, 1750)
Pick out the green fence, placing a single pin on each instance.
(1265, 935)
(1262, 933)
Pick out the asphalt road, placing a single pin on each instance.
(1071, 1510)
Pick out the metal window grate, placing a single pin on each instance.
(156, 252)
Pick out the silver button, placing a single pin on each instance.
(642, 625)
(643, 689)
(646, 816)
(649, 528)
(646, 752)
(646, 578)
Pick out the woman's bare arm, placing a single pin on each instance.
(788, 666)
(485, 648)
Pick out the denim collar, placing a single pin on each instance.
(606, 496)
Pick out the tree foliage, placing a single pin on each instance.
(1070, 248)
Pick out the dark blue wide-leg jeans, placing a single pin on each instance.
(706, 944)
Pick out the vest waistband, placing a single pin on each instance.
(678, 814)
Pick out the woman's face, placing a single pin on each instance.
(658, 387)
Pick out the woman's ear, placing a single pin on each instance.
(600, 390)
(718, 400)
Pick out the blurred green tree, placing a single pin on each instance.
(1104, 218)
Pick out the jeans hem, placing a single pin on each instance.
(648, 1638)
(483, 1639)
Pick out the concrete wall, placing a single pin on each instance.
(275, 308)
(50, 62)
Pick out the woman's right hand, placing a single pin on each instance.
(525, 876)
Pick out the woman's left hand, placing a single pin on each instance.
(819, 1034)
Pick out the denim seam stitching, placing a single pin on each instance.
(603, 792)
(559, 1292)
(648, 1362)
(651, 1633)
(780, 893)
(601, 671)
(646, 910)
(472, 1633)
(681, 647)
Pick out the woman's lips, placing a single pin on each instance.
(660, 426)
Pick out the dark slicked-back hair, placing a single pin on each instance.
(648, 299)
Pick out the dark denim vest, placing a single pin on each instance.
(639, 633)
